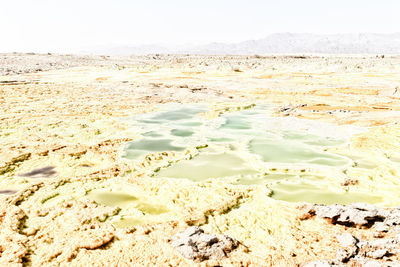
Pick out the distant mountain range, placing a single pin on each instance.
(362, 43)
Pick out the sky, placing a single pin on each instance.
(69, 25)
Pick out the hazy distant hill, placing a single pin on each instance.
(363, 43)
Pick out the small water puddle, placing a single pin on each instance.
(134, 150)
(309, 192)
(288, 151)
(124, 200)
(206, 166)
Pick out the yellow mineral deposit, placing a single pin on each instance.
(104, 164)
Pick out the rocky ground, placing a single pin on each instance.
(63, 122)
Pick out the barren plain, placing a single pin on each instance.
(104, 159)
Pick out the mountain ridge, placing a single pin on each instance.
(347, 43)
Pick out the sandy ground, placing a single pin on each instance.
(68, 112)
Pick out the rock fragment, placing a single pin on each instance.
(361, 214)
(364, 253)
(196, 245)
(377, 254)
(354, 250)
(346, 239)
(321, 263)
(348, 182)
(381, 227)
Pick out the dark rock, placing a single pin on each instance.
(45, 172)
(7, 192)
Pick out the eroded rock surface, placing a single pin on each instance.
(357, 252)
(196, 245)
(376, 252)
(357, 214)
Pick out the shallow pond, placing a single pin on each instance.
(244, 145)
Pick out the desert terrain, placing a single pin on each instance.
(125, 160)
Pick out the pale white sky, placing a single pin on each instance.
(67, 25)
